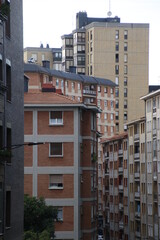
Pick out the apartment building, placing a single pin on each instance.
(11, 120)
(152, 107)
(137, 165)
(107, 48)
(63, 170)
(44, 55)
(84, 89)
(114, 221)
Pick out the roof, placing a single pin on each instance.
(30, 67)
(150, 95)
(115, 137)
(47, 98)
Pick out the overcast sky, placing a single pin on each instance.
(46, 21)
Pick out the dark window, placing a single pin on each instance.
(117, 92)
(90, 70)
(125, 46)
(8, 80)
(117, 46)
(9, 143)
(8, 208)
(1, 136)
(55, 149)
(117, 57)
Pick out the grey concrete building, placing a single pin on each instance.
(11, 121)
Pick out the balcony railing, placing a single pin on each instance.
(89, 92)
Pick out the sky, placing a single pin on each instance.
(46, 21)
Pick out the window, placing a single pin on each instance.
(125, 46)
(8, 208)
(125, 34)
(99, 102)
(116, 57)
(56, 149)
(9, 143)
(99, 88)
(117, 34)
(91, 70)
(117, 103)
(125, 92)
(125, 58)
(117, 80)
(117, 115)
(105, 90)
(117, 46)
(149, 188)
(117, 92)
(66, 83)
(125, 81)
(56, 181)
(105, 103)
(125, 69)
(112, 116)
(111, 91)
(79, 86)
(105, 116)
(125, 115)
(112, 104)
(91, 46)
(60, 214)
(73, 85)
(117, 69)
(56, 118)
(125, 103)
(57, 83)
(8, 79)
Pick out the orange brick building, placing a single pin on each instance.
(64, 169)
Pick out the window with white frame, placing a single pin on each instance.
(149, 209)
(105, 116)
(111, 91)
(149, 167)
(60, 214)
(117, 80)
(57, 83)
(79, 86)
(149, 188)
(99, 102)
(66, 84)
(56, 118)
(105, 90)
(62, 83)
(56, 181)
(73, 85)
(99, 88)
(150, 230)
(112, 116)
(112, 104)
(56, 149)
(105, 103)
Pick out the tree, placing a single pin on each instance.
(38, 219)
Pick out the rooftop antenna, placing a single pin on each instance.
(109, 13)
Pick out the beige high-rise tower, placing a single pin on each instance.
(116, 51)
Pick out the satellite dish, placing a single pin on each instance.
(109, 13)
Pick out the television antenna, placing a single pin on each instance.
(109, 13)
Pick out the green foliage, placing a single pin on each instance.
(29, 235)
(44, 235)
(4, 9)
(38, 217)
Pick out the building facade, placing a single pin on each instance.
(11, 121)
(43, 55)
(115, 190)
(107, 48)
(63, 170)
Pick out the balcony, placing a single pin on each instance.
(138, 234)
(120, 169)
(136, 156)
(120, 206)
(137, 215)
(137, 174)
(120, 151)
(121, 224)
(136, 137)
(155, 176)
(137, 194)
(120, 187)
(89, 92)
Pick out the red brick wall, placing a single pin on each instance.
(66, 192)
(68, 220)
(28, 182)
(28, 156)
(66, 160)
(66, 128)
(28, 122)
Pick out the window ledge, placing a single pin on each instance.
(56, 156)
(55, 188)
(56, 124)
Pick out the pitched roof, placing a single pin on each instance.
(49, 98)
(30, 67)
